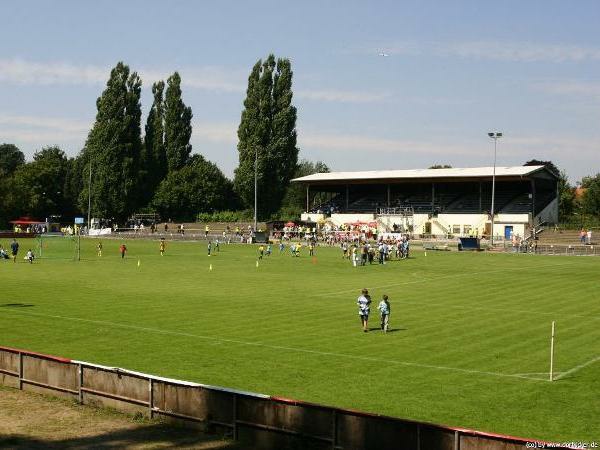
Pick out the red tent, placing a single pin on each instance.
(25, 220)
(290, 224)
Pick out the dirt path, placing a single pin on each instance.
(33, 421)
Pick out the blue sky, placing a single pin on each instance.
(455, 71)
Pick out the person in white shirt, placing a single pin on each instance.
(364, 303)
(384, 309)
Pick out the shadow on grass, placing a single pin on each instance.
(390, 330)
(16, 305)
(159, 435)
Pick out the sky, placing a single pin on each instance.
(453, 72)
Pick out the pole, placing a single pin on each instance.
(493, 190)
(90, 198)
(255, 186)
(552, 354)
(79, 245)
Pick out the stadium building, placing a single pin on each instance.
(438, 202)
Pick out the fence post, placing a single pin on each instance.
(151, 397)
(80, 382)
(20, 371)
(334, 431)
(456, 440)
(234, 417)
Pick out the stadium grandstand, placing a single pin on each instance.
(453, 201)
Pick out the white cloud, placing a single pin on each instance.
(497, 51)
(209, 78)
(41, 130)
(215, 132)
(578, 88)
(19, 71)
(340, 96)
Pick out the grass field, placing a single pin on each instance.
(469, 344)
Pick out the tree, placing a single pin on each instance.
(440, 166)
(178, 125)
(38, 187)
(294, 202)
(197, 187)
(154, 157)
(267, 136)
(113, 147)
(566, 197)
(590, 202)
(10, 159)
(548, 164)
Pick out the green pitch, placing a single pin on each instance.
(469, 344)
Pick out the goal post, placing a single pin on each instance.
(56, 246)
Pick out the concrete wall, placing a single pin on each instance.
(262, 421)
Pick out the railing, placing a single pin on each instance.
(264, 421)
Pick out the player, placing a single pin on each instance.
(281, 246)
(30, 256)
(162, 247)
(384, 309)
(344, 250)
(311, 248)
(99, 248)
(123, 250)
(14, 249)
(261, 251)
(364, 307)
(206, 230)
(269, 250)
(209, 247)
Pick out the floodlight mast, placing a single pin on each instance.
(495, 136)
(255, 186)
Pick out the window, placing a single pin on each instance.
(466, 229)
(455, 229)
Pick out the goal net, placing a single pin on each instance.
(56, 246)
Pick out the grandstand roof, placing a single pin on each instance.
(415, 174)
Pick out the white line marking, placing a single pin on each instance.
(280, 347)
(577, 368)
(441, 277)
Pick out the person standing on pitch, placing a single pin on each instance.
(14, 248)
(384, 309)
(99, 248)
(209, 247)
(123, 250)
(162, 247)
(364, 303)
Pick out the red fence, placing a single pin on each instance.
(263, 421)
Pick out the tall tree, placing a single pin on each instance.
(197, 187)
(10, 159)
(154, 157)
(294, 202)
(590, 201)
(267, 136)
(113, 147)
(178, 125)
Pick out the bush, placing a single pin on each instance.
(226, 216)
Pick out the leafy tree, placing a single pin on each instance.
(37, 188)
(294, 202)
(566, 197)
(440, 166)
(154, 157)
(178, 125)
(113, 147)
(267, 136)
(548, 164)
(195, 188)
(590, 201)
(10, 159)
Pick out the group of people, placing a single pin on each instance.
(14, 252)
(362, 252)
(585, 237)
(364, 309)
